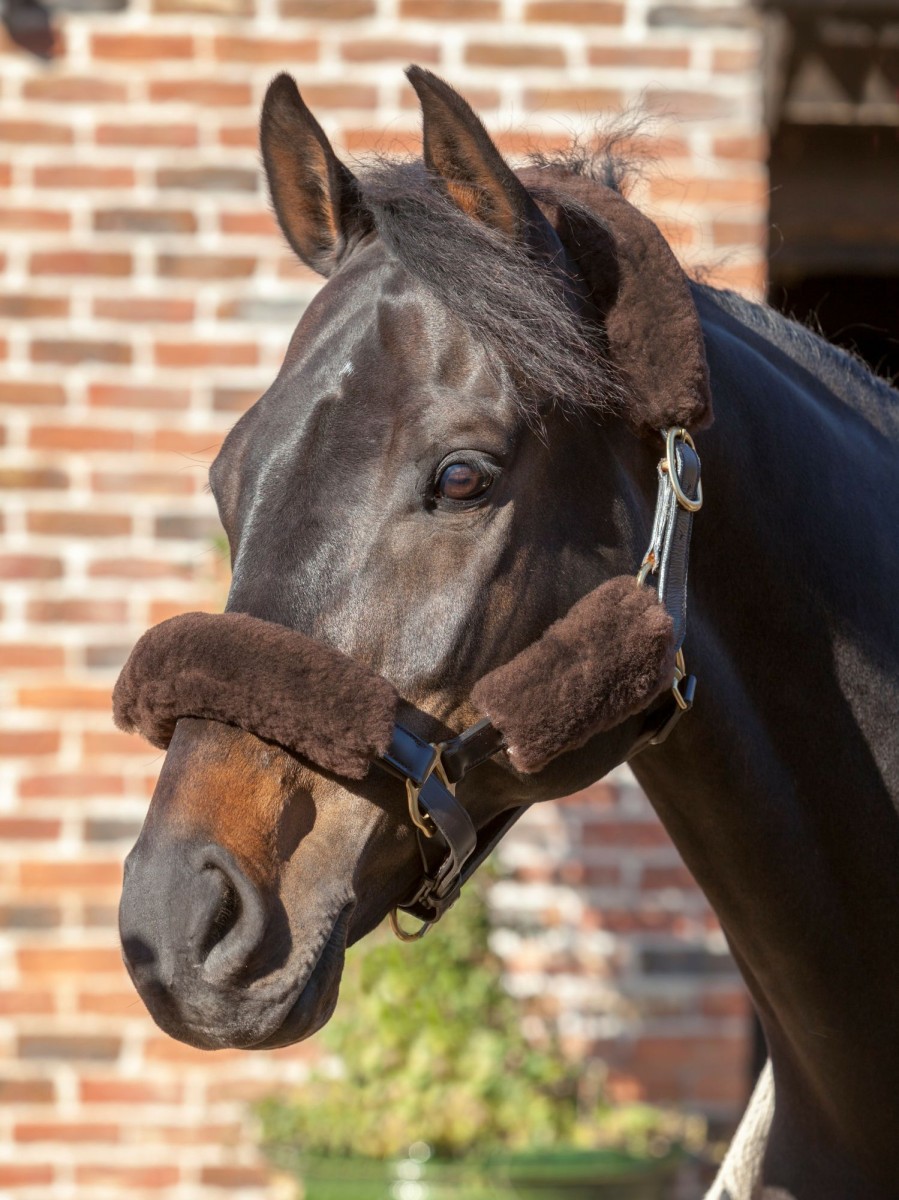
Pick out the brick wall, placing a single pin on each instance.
(145, 301)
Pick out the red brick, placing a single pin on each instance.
(209, 179)
(68, 1047)
(214, 93)
(28, 307)
(141, 47)
(234, 399)
(195, 444)
(39, 220)
(205, 266)
(167, 134)
(27, 1003)
(702, 190)
(163, 310)
(517, 141)
(112, 1090)
(80, 786)
(624, 833)
(27, 743)
(576, 12)
(161, 483)
(225, 8)
(83, 176)
(692, 104)
(479, 98)
(28, 829)
(79, 89)
(75, 698)
(738, 233)
(69, 960)
(5, 174)
(135, 568)
(246, 136)
(65, 1131)
(29, 566)
(19, 392)
(206, 354)
(753, 148)
(128, 1178)
(80, 612)
(71, 352)
(276, 51)
(389, 50)
(21, 656)
(329, 10)
(234, 1177)
(735, 60)
(166, 1050)
(366, 141)
(80, 438)
(114, 395)
(81, 262)
(639, 56)
(666, 877)
(255, 224)
(111, 1003)
(27, 1091)
(504, 54)
(39, 876)
(95, 742)
(450, 10)
(31, 132)
(144, 220)
(576, 99)
(25, 1174)
(340, 95)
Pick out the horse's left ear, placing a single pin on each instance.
(459, 150)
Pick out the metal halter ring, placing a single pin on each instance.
(672, 437)
(404, 934)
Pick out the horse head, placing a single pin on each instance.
(453, 454)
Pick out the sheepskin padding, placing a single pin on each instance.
(270, 680)
(606, 659)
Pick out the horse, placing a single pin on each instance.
(461, 445)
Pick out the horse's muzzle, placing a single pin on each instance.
(200, 941)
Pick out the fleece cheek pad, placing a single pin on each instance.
(607, 659)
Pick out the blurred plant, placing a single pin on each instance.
(430, 1049)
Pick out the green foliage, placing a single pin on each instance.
(431, 1050)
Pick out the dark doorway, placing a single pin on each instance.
(834, 252)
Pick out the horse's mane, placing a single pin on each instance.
(520, 313)
(844, 374)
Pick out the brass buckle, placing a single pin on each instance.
(672, 437)
(420, 819)
(680, 673)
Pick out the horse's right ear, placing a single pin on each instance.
(316, 198)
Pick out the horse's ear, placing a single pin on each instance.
(316, 198)
(458, 148)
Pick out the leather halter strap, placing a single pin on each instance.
(451, 848)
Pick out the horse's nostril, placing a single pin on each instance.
(229, 917)
(224, 917)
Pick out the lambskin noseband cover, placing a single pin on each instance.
(607, 659)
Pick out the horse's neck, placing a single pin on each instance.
(779, 788)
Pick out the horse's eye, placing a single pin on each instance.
(463, 481)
